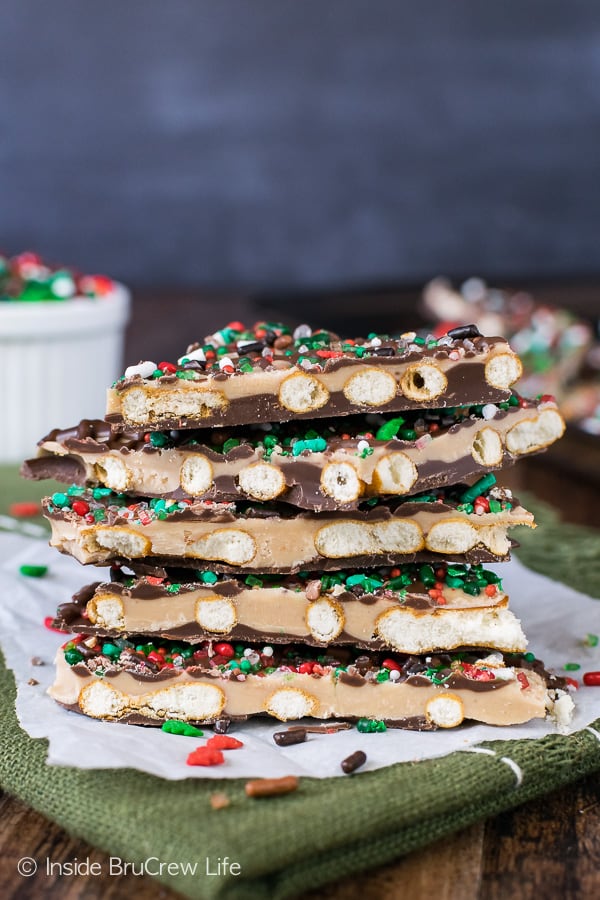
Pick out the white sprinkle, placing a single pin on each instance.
(394, 675)
(422, 442)
(362, 445)
(489, 410)
(303, 349)
(195, 354)
(145, 369)
(248, 651)
(302, 331)
(225, 361)
(376, 342)
(267, 651)
(408, 335)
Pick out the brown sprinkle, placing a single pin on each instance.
(219, 800)
(36, 661)
(271, 787)
(33, 681)
(353, 762)
(289, 737)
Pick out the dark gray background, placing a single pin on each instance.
(302, 142)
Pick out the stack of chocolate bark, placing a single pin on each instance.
(298, 525)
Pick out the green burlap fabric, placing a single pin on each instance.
(329, 828)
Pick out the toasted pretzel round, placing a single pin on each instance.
(301, 393)
(423, 381)
(262, 481)
(370, 387)
(290, 703)
(196, 474)
(445, 710)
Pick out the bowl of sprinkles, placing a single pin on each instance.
(54, 322)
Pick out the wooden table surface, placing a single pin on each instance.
(549, 848)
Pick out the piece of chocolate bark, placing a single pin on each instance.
(313, 465)
(148, 683)
(97, 526)
(266, 374)
(411, 609)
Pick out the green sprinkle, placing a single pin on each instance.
(173, 588)
(408, 434)
(157, 439)
(355, 579)
(478, 488)
(99, 515)
(100, 492)
(529, 657)
(60, 500)
(591, 640)
(172, 726)
(369, 726)
(208, 577)
(33, 571)
(454, 582)
(110, 650)
(495, 506)
(389, 430)
(245, 665)
(383, 675)
(253, 581)
(75, 491)
(229, 444)
(571, 667)
(73, 657)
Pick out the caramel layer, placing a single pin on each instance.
(260, 540)
(288, 696)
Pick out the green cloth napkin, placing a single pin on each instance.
(329, 828)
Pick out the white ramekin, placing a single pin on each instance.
(56, 361)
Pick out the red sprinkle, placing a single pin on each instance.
(48, 623)
(80, 507)
(592, 679)
(491, 590)
(166, 367)
(391, 664)
(306, 668)
(24, 510)
(224, 649)
(224, 742)
(573, 682)
(152, 579)
(524, 681)
(205, 756)
(236, 326)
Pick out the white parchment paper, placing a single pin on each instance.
(556, 620)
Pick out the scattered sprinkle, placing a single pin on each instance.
(173, 726)
(33, 571)
(271, 787)
(219, 800)
(205, 756)
(353, 762)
